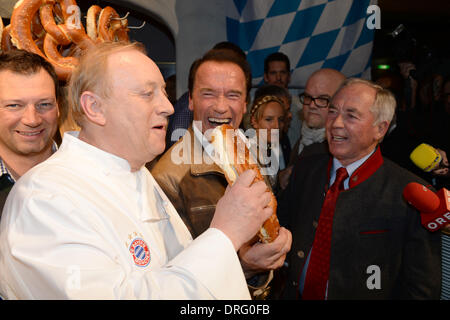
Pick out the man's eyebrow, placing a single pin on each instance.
(150, 83)
(15, 100)
(352, 110)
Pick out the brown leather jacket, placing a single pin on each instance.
(193, 188)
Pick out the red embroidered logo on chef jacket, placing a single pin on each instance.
(140, 252)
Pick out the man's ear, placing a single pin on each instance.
(93, 108)
(191, 103)
(382, 129)
(266, 79)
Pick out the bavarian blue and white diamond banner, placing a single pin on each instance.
(314, 34)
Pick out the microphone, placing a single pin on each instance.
(426, 157)
(434, 208)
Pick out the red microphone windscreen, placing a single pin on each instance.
(422, 198)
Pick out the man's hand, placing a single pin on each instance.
(261, 257)
(442, 171)
(243, 209)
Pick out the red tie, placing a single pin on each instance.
(319, 262)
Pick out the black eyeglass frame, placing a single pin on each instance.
(314, 99)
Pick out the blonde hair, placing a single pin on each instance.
(92, 74)
(257, 112)
(383, 108)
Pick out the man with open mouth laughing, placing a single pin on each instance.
(28, 115)
(219, 83)
(355, 237)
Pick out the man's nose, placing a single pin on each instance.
(166, 106)
(221, 105)
(30, 116)
(338, 121)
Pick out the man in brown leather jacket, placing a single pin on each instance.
(219, 83)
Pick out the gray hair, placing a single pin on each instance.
(384, 105)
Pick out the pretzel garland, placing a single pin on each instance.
(53, 30)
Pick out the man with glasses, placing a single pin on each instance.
(320, 87)
(29, 114)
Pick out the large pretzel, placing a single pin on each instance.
(21, 18)
(72, 19)
(6, 39)
(59, 32)
(109, 28)
(92, 16)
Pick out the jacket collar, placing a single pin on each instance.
(364, 171)
(206, 165)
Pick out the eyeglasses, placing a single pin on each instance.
(321, 102)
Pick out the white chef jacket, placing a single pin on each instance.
(81, 225)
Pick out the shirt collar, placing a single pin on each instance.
(4, 170)
(202, 163)
(351, 168)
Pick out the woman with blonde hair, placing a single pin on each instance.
(267, 117)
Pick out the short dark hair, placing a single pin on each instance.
(27, 63)
(219, 55)
(276, 56)
(230, 46)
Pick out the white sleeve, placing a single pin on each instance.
(49, 249)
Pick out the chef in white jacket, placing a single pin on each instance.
(92, 223)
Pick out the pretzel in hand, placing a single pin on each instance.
(234, 157)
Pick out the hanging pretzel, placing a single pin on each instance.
(21, 18)
(53, 30)
(120, 30)
(72, 19)
(110, 28)
(36, 27)
(6, 39)
(63, 65)
(92, 16)
(59, 32)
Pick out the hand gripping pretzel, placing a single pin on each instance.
(235, 159)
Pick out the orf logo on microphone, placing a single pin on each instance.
(140, 252)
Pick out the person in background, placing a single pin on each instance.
(277, 71)
(267, 115)
(29, 95)
(320, 87)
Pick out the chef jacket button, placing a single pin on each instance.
(315, 224)
(300, 254)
